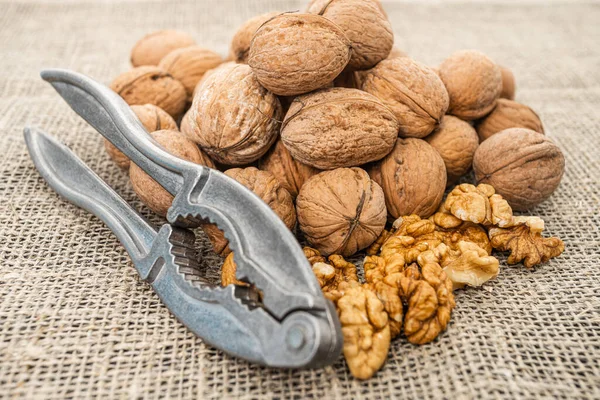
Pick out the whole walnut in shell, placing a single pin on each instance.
(413, 178)
(240, 44)
(508, 114)
(150, 49)
(293, 54)
(148, 190)
(189, 64)
(267, 187)
(474, 83)
(364, 24)
(524, 166)
(234, 119)
(153, 118)
(338, 127)
(412, 91)
(290, 173)
(341, 211)
(508, 84)
(456, 141)
(151, 85)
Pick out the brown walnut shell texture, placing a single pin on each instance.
(150, 49)
(151, 85)
(456, 141)
(352, 79)
(153, 118)
(290, 173)
(189, 64)
(413, 91)
(413, 178)
(240, 44)
(508, 84)
(364, 24)
(508, 114)
(338, 127)
(524, 166)
(293, 54)
(235, 120)
(148, 190)
(341, 211)
(474, 83)
(268, 188)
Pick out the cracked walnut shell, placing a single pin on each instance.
(150, 49)
(240, 44)
(474, 83)
(365, 25)
(151, 85)
(293, 54)
(234, 119)
(341, 211)
(456, 141)
(413, 178)
(153, 118)
(413, 92)
(508, 114)
(523, 166)
(338, 127)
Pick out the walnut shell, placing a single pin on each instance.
(189, 64)
(397, 53)
(341, 211)
(240, 44)
(153, 118)
(524, 166)
(148, 190)
(290, 173)
(268, 188)
(508, 114)
(151, 85)
(456, 141)
(413, 178)
(412, 91)
(508, 84)
(364, 24)
(234, 119)
(150, 49)
(185, 126)
(338, 127)
(474, 83)
(293, 54)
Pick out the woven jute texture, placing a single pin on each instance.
(77, 322)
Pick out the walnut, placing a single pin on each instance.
(234, 119)
(365, 25)
(150, 49)
(240, 44)
(474, 83)
(508, 84)
(189, 64)
(266, 186)
(153, 118)
(293, 54)
(228, 273)
(508, 114)
(313, 256)
(412, 91)
(148, 190)
(185, 126)
(413, 178)
(525, 242)
(343, 271)
(338, 127)
(290, 173)
(469, 265)
(456, 141)
(341, 211)
(524, 167)
(376, 245)
(151, 85)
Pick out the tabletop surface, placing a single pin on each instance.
(76, 321)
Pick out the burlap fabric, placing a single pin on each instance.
(77, 322)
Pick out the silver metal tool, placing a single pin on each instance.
(281, 320)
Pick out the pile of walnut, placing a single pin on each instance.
(340, 133)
